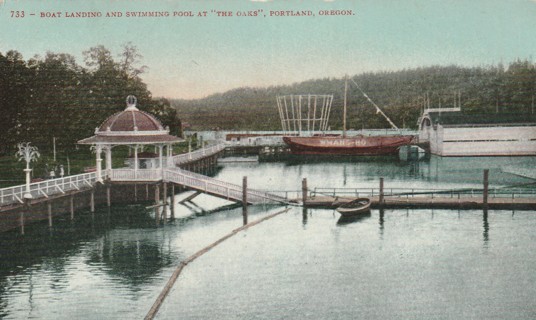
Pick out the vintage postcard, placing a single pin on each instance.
(267, 159)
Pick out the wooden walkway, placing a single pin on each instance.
(12, 197)
(219, 188)
(48, 189)
(429, 202)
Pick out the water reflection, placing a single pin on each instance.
(344, 220)
(486, 227)
(109, 239)
(381, 221)
(131, 258)
(304, 216)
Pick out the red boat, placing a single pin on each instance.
(355, 145)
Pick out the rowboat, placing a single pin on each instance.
(357, 206)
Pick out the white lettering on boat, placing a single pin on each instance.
(344, 143)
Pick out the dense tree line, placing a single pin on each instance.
(401, 95)
(53, 97)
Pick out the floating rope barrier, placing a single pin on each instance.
(167, 288)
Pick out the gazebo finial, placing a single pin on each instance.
(131, 103)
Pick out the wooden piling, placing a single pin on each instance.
(25, 208)
(156, 202)
(382, 200)
(49, 207)
(172, 205)
(92, 201)
(164, 208)
(147, 192)
(245, 200)
(304, 191)
(485, 190)
(135, 193)
(22, 222)
(108, 196)
(72, 207)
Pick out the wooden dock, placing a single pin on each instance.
(428, 202)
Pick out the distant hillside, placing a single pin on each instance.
(400, 94)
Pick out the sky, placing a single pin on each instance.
(193, 57)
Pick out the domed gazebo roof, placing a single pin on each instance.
(131, 126)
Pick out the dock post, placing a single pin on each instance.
(156, 202)
(304, 191)
(25, 208)
(245, 199)
(72, 206)
(108, 195)
(92, 201)
(165, 203)
(381, 192)
(486, 190)
(147, 191)
(49, 207)
(135, 193)
(22, 221)
(172, 204)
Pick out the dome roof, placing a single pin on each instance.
(130, 120)
(131, 126)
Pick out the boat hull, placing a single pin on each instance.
(356, 145)
(356, 207)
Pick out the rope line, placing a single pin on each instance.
(167, 288)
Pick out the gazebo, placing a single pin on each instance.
(136, 129)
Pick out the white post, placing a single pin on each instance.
(136, 165)
(28, 194)
(161, 156)
(169, 156)
(99, 162)
(27, 153)
(108, 160)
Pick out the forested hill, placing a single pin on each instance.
(51, 97)
(400, 94)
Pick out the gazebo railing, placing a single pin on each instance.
(135, 175)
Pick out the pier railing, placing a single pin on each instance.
(47, 188)
(421, 192)
(198, 154)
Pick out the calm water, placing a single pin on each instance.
(395, 264)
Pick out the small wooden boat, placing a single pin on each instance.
(354, 207)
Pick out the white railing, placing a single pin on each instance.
(136, 175)
(217, 187)
(198, 154)
(47, 188)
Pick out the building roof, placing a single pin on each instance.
(460, 118)
(131, 126)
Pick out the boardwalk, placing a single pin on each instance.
(45, 190)
(14, 196)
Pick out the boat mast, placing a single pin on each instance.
(378, 110)
(344, 113)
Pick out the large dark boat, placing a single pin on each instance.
(353, 145)
(340, 145)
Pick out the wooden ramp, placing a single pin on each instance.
(219, 188)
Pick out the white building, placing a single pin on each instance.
(450, 132)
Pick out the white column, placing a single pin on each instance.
(136, 164)
(169, 156)
(108, 151)
(98, 151)
(28, 194)
(160, 155)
